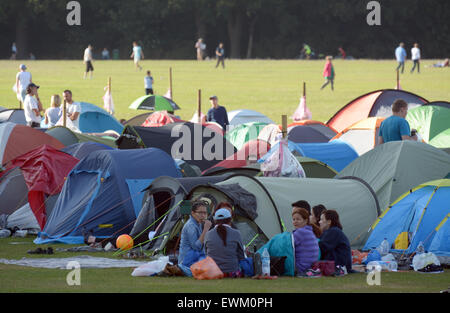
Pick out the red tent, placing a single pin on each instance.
(160, 118)
(375, 103)
(16, 140)
(44, 170)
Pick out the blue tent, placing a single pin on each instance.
(80, 150)
(421, 215)
(94, 119)
(103, 193)
(336, 154)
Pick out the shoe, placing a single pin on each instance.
(310, 273)
(49, 250)
(340, 271)
(173, 270)
(36, 251)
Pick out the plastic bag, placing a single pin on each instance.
(206, 269)
(282, 163)
(422, 260)
(302, 112)
(152, 267)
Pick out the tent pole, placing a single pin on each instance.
(170, 83)
(284, 126)
(304, 89)
(109, 85)
(64, 113)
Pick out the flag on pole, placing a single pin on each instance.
(108, 103)
(168, 94)
(302, 112)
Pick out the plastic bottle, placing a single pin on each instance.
(384, 247)
(265, 263)
(5, 233)
(420, 248)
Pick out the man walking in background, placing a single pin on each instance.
(400, 55)
(220, 54)
(415, 57)
(137, 55)
(23, 79)
(87, 59)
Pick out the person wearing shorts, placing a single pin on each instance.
(88, 61)
(137, 55)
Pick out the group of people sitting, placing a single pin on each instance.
(317, 236)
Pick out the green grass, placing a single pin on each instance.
(268, 86)
(26, 279)
(272, 87)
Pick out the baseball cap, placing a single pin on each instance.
(23, 67)
(222, 214)
(212, 97)
(33, 85)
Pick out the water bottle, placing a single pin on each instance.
(384, 247)
(420, 248)
(5, 233)
(265, 263)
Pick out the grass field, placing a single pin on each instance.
(268, 86)
(272, 87)
(26, 279)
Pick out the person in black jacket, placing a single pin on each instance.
(334, 245)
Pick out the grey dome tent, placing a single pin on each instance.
(393, 168)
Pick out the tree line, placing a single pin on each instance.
(168, 29)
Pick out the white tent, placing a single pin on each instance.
(238, 117)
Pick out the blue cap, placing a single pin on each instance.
(222, 214)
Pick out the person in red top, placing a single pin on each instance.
(328, 73)
(342, 52)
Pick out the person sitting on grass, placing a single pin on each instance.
(224, 244)
(334, 245)
(316, 211)
(305, 242)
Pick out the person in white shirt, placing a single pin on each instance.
(73, 109)
(148, 82)
(137, 55)
(87, 59)
(53, 114)
(415, 57)
(23, 79)
(32, 106)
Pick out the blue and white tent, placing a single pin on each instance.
(94, 119)
(421, 215)
(103, 193)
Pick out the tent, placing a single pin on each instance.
(336, 154)
(393, 168)
(13, 191)
(194, 143)
(442, 140)
(103, 193)
(430, 121)
(160, 118)
(155, 103)
(80, 150)
(363, 135)
(269, 213)
(328, 131)
(16, 139)
(306, 133)
(238, 117)
(374, 103)
(94, 119)
(421, 215)
(161, 207)
(137, 120)
(444, 104)
(68, 137)
(241, 134)
(16, 116)
(44, 170)
(271, 134)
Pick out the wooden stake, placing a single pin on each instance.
(64, 113)
(304, 89)
(398, 79)
(170, 83)
(284, 126)
(109, 85)
(199, 108)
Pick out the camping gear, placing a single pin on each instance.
(154, 103)
(302, 112)
(420, 215)
(16, 140)
(393, 168)
(194, 143)
(306, 133)
(137, 120)
(80, 150)
(444, 104)
(363, 135)
(327, 268)
(430, 121)
(93, 119)
(319, 126)
(16, 116)
(281, 163)
(151, 268)
(421, 261)
(238, 117)
(160, 118)
(206, 269)
(104, 188)
(243, 133)
(68, 137)
(374, 103)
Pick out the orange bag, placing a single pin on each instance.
(206, 269)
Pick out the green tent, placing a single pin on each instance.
(155, 103)
(68, 137)
(242, 133)
(353, 199)
(393, 168)
(430, 121)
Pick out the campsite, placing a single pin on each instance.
(107, 199)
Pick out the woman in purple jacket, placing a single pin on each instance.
(305, 241)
